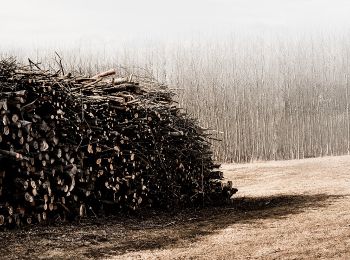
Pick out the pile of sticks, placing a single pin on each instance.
(75, 146)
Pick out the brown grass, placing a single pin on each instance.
(283, 210)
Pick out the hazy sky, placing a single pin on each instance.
(65, 23)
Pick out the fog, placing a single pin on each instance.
(270, 77)
(110, 24)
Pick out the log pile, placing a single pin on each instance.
(74, 146)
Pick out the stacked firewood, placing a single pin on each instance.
(74, 146)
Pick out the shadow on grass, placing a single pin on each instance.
(118, 235)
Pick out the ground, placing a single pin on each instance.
(296, 209)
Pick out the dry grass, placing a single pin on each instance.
(288, 210)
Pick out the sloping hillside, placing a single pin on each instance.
(288, 209)
(283, 210)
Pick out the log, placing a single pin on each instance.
(105, 74)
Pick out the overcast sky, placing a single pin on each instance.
(66, 23)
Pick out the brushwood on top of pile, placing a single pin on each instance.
(75, 146)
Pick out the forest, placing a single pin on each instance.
(262, 96)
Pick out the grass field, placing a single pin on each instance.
(296, 209)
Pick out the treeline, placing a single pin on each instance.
(267, 98)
